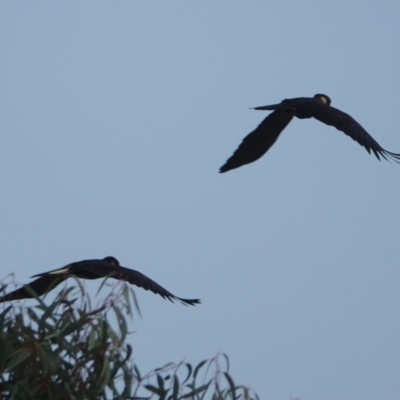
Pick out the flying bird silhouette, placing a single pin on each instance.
(92, 269)
(258, 142)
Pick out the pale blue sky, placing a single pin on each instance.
(115, 118)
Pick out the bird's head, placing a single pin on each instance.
(111, 260)
(323, 98)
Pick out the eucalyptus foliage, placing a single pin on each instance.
(72, 350)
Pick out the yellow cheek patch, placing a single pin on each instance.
(324, 99)
(60, 271)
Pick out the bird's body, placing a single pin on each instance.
(92, 269)
(258, 142)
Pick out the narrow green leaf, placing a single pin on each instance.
(231, 384)
(135, 301)
(154, 389)
(18, 358)
(197, 369)
(102, 284)
(175, 391)
(138, 376)
(226, 360)
(196, 391)
(190, 369)
(160, 381)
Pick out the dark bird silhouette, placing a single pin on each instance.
(92, 269)
(258, 142)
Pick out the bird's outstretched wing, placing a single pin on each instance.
(141, 280)
(101, 269)
(40, 286)
(344, 122)
(258, 142)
